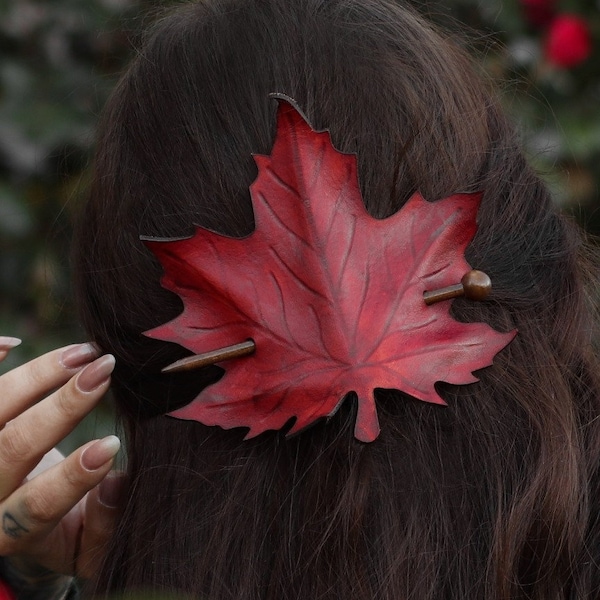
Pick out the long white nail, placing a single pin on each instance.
(7, 342)
(99, 453)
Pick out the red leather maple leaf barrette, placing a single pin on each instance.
(331, 297)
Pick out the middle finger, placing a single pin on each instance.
(25, 439)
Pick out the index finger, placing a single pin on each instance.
(7, 343)
(25, 385)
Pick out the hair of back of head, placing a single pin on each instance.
(496, 496)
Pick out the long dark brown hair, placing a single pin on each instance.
(496, 496)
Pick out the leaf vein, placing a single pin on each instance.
(298, 278)
(282, 224)
(417, 260)
(296, 344)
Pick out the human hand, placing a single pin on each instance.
(57, 519)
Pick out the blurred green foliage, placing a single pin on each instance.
(60, 59)
(58, 63)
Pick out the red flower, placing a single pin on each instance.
(569, 41)
(539, 12)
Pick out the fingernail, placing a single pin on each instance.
(98, 454)
(78, 355)
(96, 374)
(7, 342)
(111, 490)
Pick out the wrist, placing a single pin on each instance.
(29, 581)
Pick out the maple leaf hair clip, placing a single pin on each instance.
(327, 299)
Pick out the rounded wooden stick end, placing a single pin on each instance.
(477, 285)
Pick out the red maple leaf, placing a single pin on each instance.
(332, 297)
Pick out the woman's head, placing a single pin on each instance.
(486, 498)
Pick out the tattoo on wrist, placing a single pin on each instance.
(11, 527)
(29, 580)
